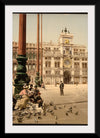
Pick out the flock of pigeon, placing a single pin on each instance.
(38, 113)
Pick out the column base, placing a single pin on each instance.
(21, 75)
(37, 80)
(41, 80)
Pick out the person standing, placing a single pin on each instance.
(61, 88)
(42, 85)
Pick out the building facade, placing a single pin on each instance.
(64, 61)
(52, 64)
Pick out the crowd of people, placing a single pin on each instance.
(31, 94)
(27, 94)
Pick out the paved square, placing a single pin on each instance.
(70, 109)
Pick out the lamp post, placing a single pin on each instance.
(21, 76)
(41, 53)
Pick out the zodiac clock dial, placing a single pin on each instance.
(67, 63)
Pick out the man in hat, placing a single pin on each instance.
(36, 90)
(37, 97)
(31, 87)
(24, 91)
(61, 88)
(31, 93)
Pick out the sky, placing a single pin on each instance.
(53, 24)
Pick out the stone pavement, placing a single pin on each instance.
(72, 94)
(68, 109)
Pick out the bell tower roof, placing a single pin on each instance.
(65, 30)
(65, 37)
(66, 33)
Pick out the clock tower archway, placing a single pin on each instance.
(67, 77)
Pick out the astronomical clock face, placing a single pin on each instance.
(66, 41)
(67, 62)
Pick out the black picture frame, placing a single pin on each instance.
(97, 30)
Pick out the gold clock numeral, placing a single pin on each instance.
(67, 41)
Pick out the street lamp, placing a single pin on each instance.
(21, 75)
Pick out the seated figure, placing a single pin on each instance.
(21, 103)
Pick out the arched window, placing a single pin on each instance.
(30, 55)
(29, 66)
(34, 55)
(26, 67)
(27, 54)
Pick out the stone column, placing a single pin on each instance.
(80, 70)
(28, 67)
(52, 69)
(52, 66)
(37, 78)
(38, 43)
(21, 76)
(72, 72)
(41, 73)
(43, 65)
(22, 35)
(61, 65)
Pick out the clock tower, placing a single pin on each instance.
(65, 42)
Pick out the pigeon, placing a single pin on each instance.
(36, 121)
(51, 103)
(39, 117)
(55, 108)
(23, 113)
(19, 114)
(29, 115)
(56, 122)
(39, 113)
(70, 108)
(71, 111)
(64, 106)
(19, 119)
(52, 113)
(47, 110)
(66, 113)
(13, 117)
(34, 114)
(74, 106)
(26, 112)
(76, 113)
(44, 113)
(56, 117)
(60, 107)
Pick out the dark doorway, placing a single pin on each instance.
(67, 77)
